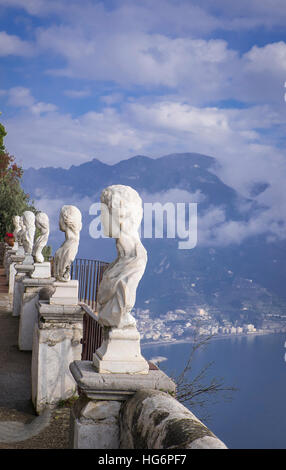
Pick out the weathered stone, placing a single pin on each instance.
(117, 386)
(55, 345)
(29, 233)
(17, 295)
(60, 313)
(121, 215)
(46, 292)
(100, 409)
(42, 270)
(66, 293)
(42, 223)
(70, 223)
(154, 420)
(29, 310)
(120, 352)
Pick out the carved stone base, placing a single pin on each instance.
(17, 294)
(42, 271)
(66, 293)
(56, 343)
(120, 353)
(29, 310)
(95, 417)
(14, 259)
(28, 259)
(20, 251)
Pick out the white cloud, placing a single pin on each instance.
(195, 17)
(21, 97)
(77, 94)
(146, 48)
(215, 230)
(174, 195)
(160, 128)
(153, 129)
(55, 139)
(112, 98)
(36, 7)
(247, 14)
(52, 208)
(12, 45)
(141, 59)
(199, 69)
(154, 45)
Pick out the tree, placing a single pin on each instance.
(13, 199)
(195, 390)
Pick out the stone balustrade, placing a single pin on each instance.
(133, 411)
(123, 403)
(152, 419)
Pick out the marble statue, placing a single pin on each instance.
(42, 223)
(121, 215)
(28, 237)
(17, 227)
(70, 223)
(21, 231)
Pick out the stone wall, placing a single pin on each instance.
(155, 420)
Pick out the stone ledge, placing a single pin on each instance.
(16, 258)
(154, 420)
(31, 282)
(59, 313)
(119, 387)
(24, 268)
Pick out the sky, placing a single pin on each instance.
(117, 78)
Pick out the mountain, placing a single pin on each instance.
(235, 282)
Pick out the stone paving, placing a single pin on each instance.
(20, 427)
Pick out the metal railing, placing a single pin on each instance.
(89, 274)
(92, 336)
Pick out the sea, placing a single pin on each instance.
(253, 416)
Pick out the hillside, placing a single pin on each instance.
(213, 276)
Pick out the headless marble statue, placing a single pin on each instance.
(42, 223)
(29, 234)
(17, 227)
(21, 232)
(70, 223)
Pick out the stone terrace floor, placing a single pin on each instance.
(20, 427)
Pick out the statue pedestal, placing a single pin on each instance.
(7, 260)
(95, 417)
(120, 352)
(21, 271)
(21, 251)
(28, 259)
(13, 260)
(41, 271)
(30, 292)
(56, 343)
(66, 293)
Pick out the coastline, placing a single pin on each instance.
(214, 337)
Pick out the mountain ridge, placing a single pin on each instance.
(186, 278)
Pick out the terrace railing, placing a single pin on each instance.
(89, 274)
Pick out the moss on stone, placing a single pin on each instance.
(181, 432)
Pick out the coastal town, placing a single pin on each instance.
(185, 325)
